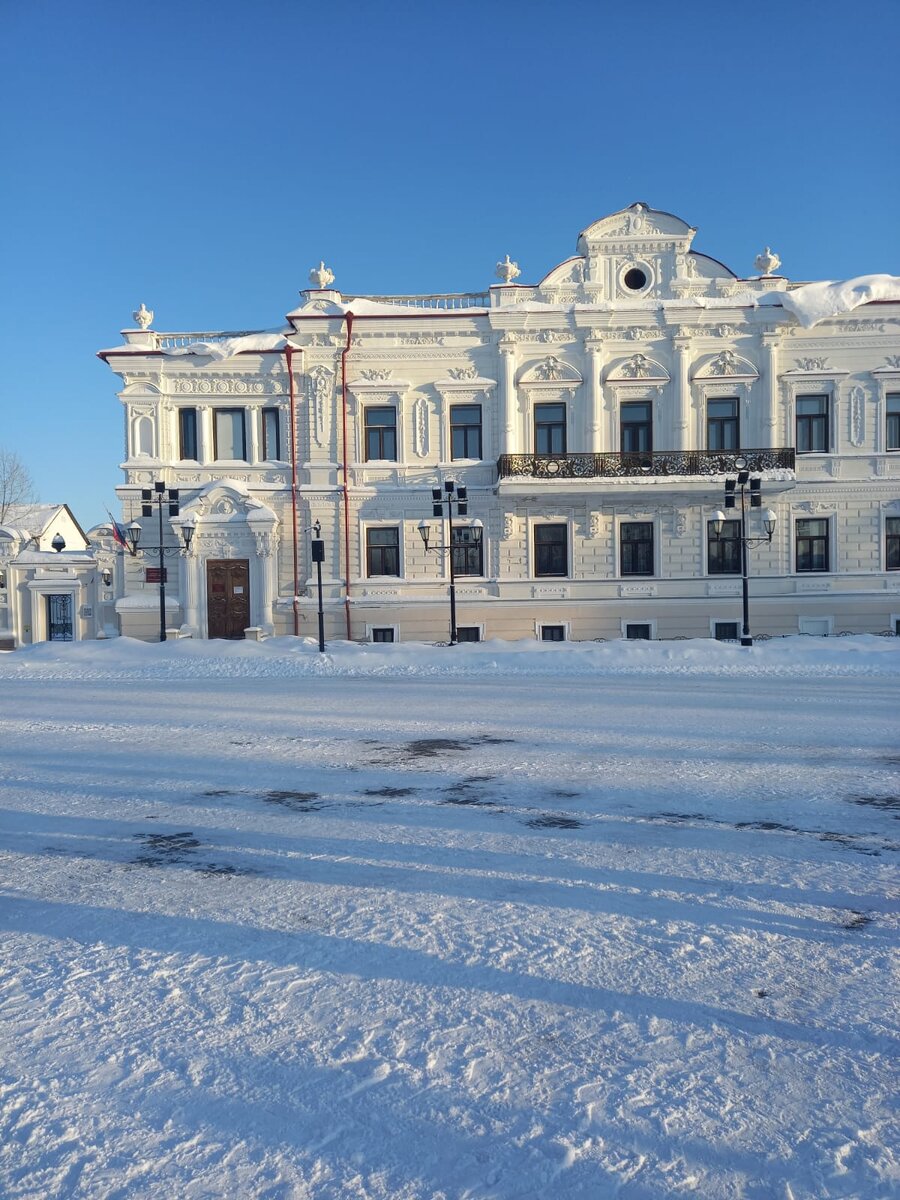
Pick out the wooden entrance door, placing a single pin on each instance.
(227, 597)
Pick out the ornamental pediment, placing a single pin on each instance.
(460, 379)
(640, 368)
(570, 272)
(725, 364)
(550, 370)
(637, 221)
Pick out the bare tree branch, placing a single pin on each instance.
(16, 485)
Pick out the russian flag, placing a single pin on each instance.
(117, 531)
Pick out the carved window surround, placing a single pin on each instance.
(379, 393)
(465, 389)
(812, 383)
(887, 381)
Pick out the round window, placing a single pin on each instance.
(635, 279)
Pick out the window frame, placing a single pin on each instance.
(734, 539)
(467, 431)
(891, 542)
(629, 624)
(221, 412)
(383, 549)
(537, 545)
(464, 550)
(630, 426)
(372, 630)
(714, 625)
(810, 422)
(274, 414)
(545, 626)
(812, 538)
(478, 629)
(721, 424)
(183, 413)
(892, 423)
(631, 572)
(548, 427)
(381, 431)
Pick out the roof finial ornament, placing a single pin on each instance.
(321, 276)
(143, 316)
(508, 270)
(767, 263)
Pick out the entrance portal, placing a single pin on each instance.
(227, 597)
(59, 618)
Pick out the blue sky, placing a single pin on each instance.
(201, 157)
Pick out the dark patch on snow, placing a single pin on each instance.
(431, 747)
(390, 793)
(856, 920)
(421, 748)
(767, 826)
(554, 821)
(760, 993)
(295, 801)
(675, 818)
(463, 796)
(564, 794)
(166, 849)
(212, 869)
(885, 803)
(849, 842)
(218, 792)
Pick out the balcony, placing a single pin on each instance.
(681, 463)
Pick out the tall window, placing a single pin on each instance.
(381, 434)
(549, 429)
(551, 552)
(636, 427)
(383, 551)
(892, 433)
(271, 434)
(636, 547)
(722, 425)
(231, 440)
(467, 558)
(892, 546)
(465, 431)
(187, 434)
(812, 424)
(812, 545)
(724, 552)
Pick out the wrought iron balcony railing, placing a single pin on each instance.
(657, 462)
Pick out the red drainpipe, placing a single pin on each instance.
(348, 317)
(288, 354)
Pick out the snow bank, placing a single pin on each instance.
(229, 347)
(287, 657)
(815, 302)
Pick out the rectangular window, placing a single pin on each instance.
(271, 434)
(383, 551)
(231, 440)
(892, 432)
(467, 558)
(187, 434)
(723, 553)
(465, 431)
(549, 429)
(892, 543)
(553, 633)
(812, 425)
(636, 427)
(636, 546)
(639, 633)
(383, 635)
(381, 435)
(722, 425)
(726, 631)
(551, 551)
(468, 633)
(812, 545)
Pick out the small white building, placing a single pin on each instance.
(594, 417)
(56, 582)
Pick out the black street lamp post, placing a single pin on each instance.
(457, 537)
(148, 499)
(318, 557)
(743, 481)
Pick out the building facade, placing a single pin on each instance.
(594, 419)
(57, 583)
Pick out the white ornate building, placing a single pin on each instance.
(594, 418)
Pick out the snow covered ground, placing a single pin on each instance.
(413, 923)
